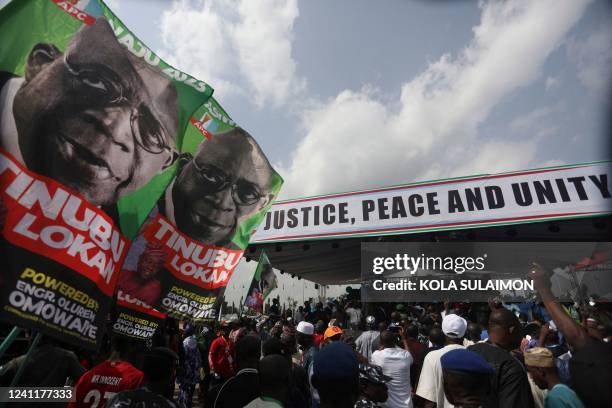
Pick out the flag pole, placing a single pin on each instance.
(25, 360)
(240, 307)
(9, 340)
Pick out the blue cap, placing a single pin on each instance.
(465, 360)
(336, 360)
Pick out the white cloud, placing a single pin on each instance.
(552, 83)
(237, 47)
(537, 124)
(355, 141)
(592, 57)
(529, 119)
(497, 156)
(263, 39)
(545, 132)
(197, 41)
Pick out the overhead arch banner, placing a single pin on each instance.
(552, 193)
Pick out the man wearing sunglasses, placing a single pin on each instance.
(227, 181)
(95, 117)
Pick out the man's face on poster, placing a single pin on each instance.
(95, 117)
(149, 265)
(227, 181)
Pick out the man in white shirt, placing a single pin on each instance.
(395, 363)
(354, 314)
(430, 386)
(366, 342)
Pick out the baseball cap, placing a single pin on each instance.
(331, 332)
(373, 374)
(539, 357)
(305, 328)
(454, 326)
(335, 361)
(466, 361)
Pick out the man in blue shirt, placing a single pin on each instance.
(540, 364)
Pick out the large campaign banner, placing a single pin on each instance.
(194, 237)
(94, 127)
(563, 192)
(263, 282)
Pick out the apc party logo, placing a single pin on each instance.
(207, 125)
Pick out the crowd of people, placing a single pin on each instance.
(343, 354)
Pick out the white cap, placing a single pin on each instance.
(305, 328)
(454, 326)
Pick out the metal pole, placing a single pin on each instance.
(25, 360)
(9, 340)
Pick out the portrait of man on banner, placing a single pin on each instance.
(225, 182)
(94, 117)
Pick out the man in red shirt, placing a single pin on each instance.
(319, 331)
(106, 379)
(221, 356)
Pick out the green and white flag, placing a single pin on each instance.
(264, 282)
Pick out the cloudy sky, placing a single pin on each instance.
(354, 94)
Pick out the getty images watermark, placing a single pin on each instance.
(447, 264)
(480, 271)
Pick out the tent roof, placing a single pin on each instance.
(338, 261)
